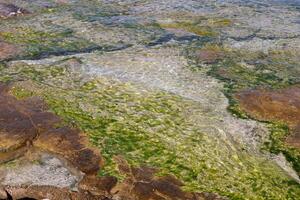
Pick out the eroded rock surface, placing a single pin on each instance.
(280, 105)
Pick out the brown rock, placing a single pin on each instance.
(38, 192)
(87, 196)
(171, 179)
(52, 193)
(98, 185)
(71, 144)
(275, 105)
(142, 184)
(16, 127)
(23, 122)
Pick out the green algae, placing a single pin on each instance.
(5, 79)
(250, 70)
(278, 133)
(201, 26)
(276, 145)
(21, 93)
(220, 22)
(10, 164)
(38, 43)
(98, 15)
(191, 27)
(149, 127)
(93, 10)
(130, 138)
(145, 128)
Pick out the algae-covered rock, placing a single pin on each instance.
(135, 100)
(277, 105)
(160, 130)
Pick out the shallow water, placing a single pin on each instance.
(152, 81)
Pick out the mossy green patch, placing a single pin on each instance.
(96, 10)
(5, 79)
(276, 145)
(21, 93)
(245, 74)
(191, 27)
(220, 22)
(201, 26)
(155, 132)
(159, 129)
(10, 164)
(250, 70)
(40, 43)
